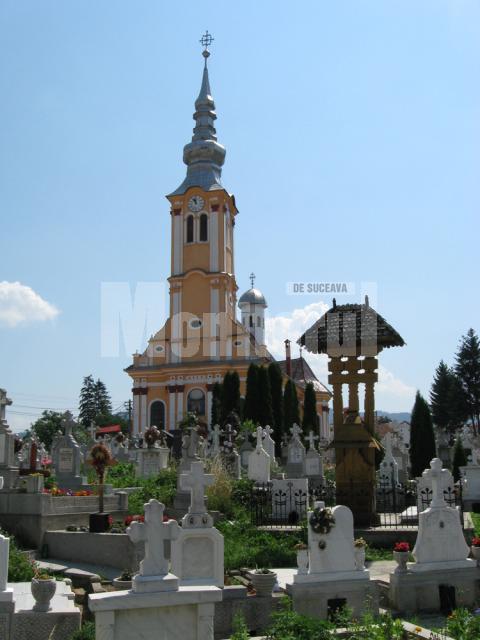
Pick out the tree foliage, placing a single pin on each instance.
(216, 403)
(94, 401)
(290, 405)
(467, 369)
(265, 415)
(47, 426)
(310, 421)
(459, 459)
(276, 390)
(230, 394)
(447, 399)
(422, 439)
(251, 407)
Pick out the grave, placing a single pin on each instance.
(156, 607)
(67, 458)
(289, 499)
(213, 448)
(295, 467)
(442, 565)
(314, 463)
(8, 467)
(334, 574)
(259, 462)
(151, 461)
(471, 487)
(190, 442)
(197, 552)
(245, 450)
(229, 453)
(388, 472)
(425, 488)
(268, 442)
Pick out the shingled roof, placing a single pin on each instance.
(301, 373)
(350, 328)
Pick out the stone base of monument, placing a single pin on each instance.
(99, 522)
(431, 589)
(10, 478)
(323, 595)
(187, 613)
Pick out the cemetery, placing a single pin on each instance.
(238, 496)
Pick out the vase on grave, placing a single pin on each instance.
(401, 558)
(43, 591)
(263, 581)
(475, 552)
(359, 558)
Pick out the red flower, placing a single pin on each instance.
(476, 542)
(401, 546)
(110, 521)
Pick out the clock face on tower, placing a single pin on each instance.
(196, 203)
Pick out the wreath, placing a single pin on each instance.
(322, 520)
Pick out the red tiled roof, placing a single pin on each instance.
(113, 428)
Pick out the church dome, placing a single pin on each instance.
(252, 296)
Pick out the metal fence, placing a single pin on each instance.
(397, 505)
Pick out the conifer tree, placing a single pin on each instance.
(88, 404)
(422, 439)
(276, 390)
(440, 397)
(251, 407)
(290, 405)
(103, 404)
(467, 368)
(310, 420)
(459, 459)
(216, 404)
(265, 398)
(230, 394)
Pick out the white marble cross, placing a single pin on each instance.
(153, 532)
(387, 443)
(311, 440)
(68, 423)
(268, 430)
(215, 450)
(259, 437)
(296, 431)
(435, 473)
(4, 403)
(196, 481)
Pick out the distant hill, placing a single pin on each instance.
(396, 417)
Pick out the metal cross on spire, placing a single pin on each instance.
(206, 40)
(252, 279)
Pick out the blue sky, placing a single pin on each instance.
(353, 138)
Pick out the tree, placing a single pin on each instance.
(310, 420)
(467, 368)
(88, 404)
(216, 403)
(459, 459)
(251, 408)
(265, 398)
(103, 404)
(230, 394)
(276, 390)
(422, 439)
(440, 397)
(290, 405)
(46, 427)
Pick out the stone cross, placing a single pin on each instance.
(195, 482)
(296, 431)
(259, 438)
(311, 441)
(387, 441)
(4, 403)
(216, 439)
(68, 423)
(435, 473)
(268, 430)
(153, 532)
(92, 430)
(230, 433)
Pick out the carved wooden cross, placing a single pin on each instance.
(195, 482)
(153, 532)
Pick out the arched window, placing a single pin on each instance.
(196, 402)
(157, 414)
(190, 229)
(250, 321)
(203, 227)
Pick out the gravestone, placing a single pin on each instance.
(295, 467)
(268, 442)
(314, 463)
(388, 472)
(289, 499)
(259, 462)
(67, 458)
(151, 461)
(229, 453)
(333, 571)
(441, 555)
(214, 444)
(425, 489)
(190, 443)
(197, 553)
(471, 486)
(8, 467)
(7, 605)
(155, 607)
(245, 450)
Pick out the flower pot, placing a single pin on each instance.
(359, 558)
(401, 558)
(302, 561)
(35, 483)
(43, 591)
(121, 585)
(99, 522)
(263, 583)
(475, 553)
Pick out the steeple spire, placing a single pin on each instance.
(204, 156)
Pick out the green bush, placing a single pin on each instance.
(20, 567)
(239, 628)
(289, 625)
(87, 632)
(162, 487)
(462, 625)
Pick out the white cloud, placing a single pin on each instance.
(21, 305)
(392, 394)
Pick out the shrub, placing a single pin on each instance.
(220, 492)
(462, 625)
(87, 632)
(288, 625)
(239, 628)
(20, 567)
(162, 487)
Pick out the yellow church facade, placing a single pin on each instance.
(202, 339)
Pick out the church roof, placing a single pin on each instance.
(301, 373)
(204, 156)
(350, 326)
(252, 296)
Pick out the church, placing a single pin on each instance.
(202, 338)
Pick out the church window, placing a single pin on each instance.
(196, 402)
(250, 323)
(259, 321)
(157, 414)
(195, 323)
(190, 229)
(203, 227)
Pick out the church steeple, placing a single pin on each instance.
(204, 156)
